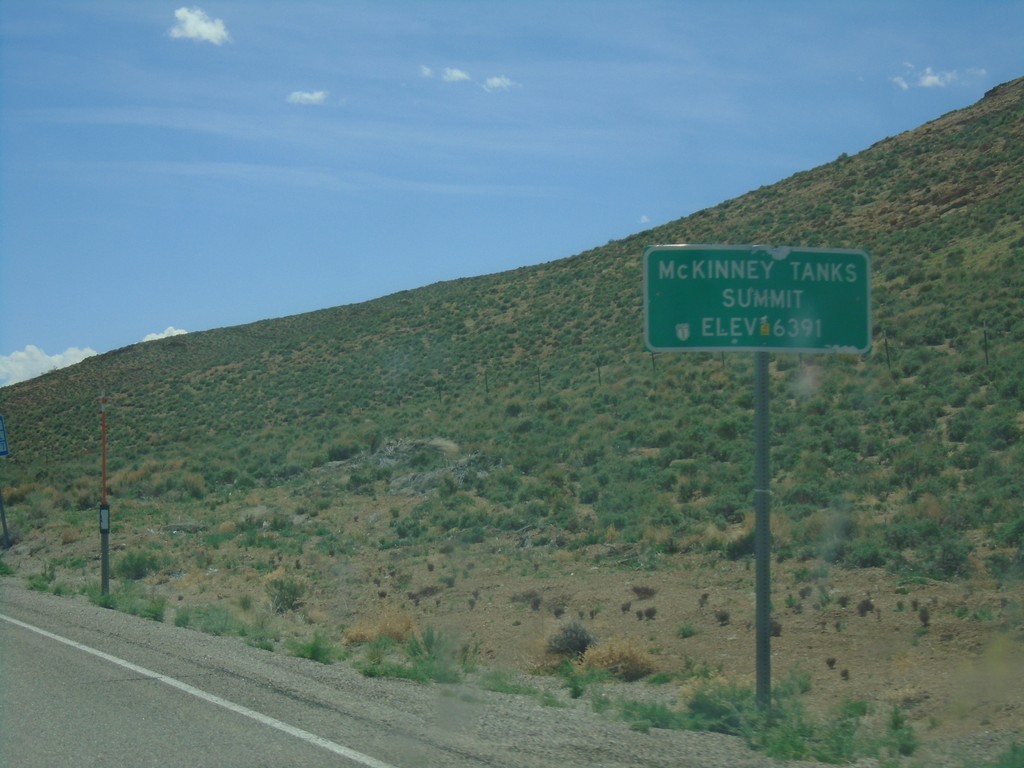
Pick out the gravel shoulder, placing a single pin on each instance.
(403, 723)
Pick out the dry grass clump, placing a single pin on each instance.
(69, 535)
(396, 625)
(621, 658)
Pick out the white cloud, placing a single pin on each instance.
(645, 219)
(928, 78)
(500, 83)
(32, 361)
(169, 331)
(307, 97)
(452, 75)
(455, 75)
(194, 24)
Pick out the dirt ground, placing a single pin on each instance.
(950, 655)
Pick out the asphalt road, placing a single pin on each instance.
(65, 702)
(63, 706)
(83, 686)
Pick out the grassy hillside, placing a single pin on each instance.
(561, 420)
(499, 459)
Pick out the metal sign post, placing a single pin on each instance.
(762, 531)
(3, 520)
(751, 298)
(104, 507)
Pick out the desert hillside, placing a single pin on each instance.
(499, 461)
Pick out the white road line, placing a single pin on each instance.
(259, 717)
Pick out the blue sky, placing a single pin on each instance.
(170, 168)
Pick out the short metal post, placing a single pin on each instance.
(4, 451)
(104, 550)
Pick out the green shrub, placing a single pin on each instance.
(723, 708)
(285, 594)
(572, 640)
(949, 558)
(153, 608)
(215, 620)
(502, 682)
(902, 739)
(261, 633)
(263, 642)
(836, 740)
(786, 730)
(433, 653)
(842, 741)
(741, 546)
(61, 588)
(393, 669)
(342, 451)
(95, 595)
(576, 678)
(1011, 533)
(430, 657)
(318, 648)
(136, 565)
(40, 582)
(1003, 567)
(644, 715)
(1013, 757)
(129, 598)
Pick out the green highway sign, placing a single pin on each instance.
(709, 298)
